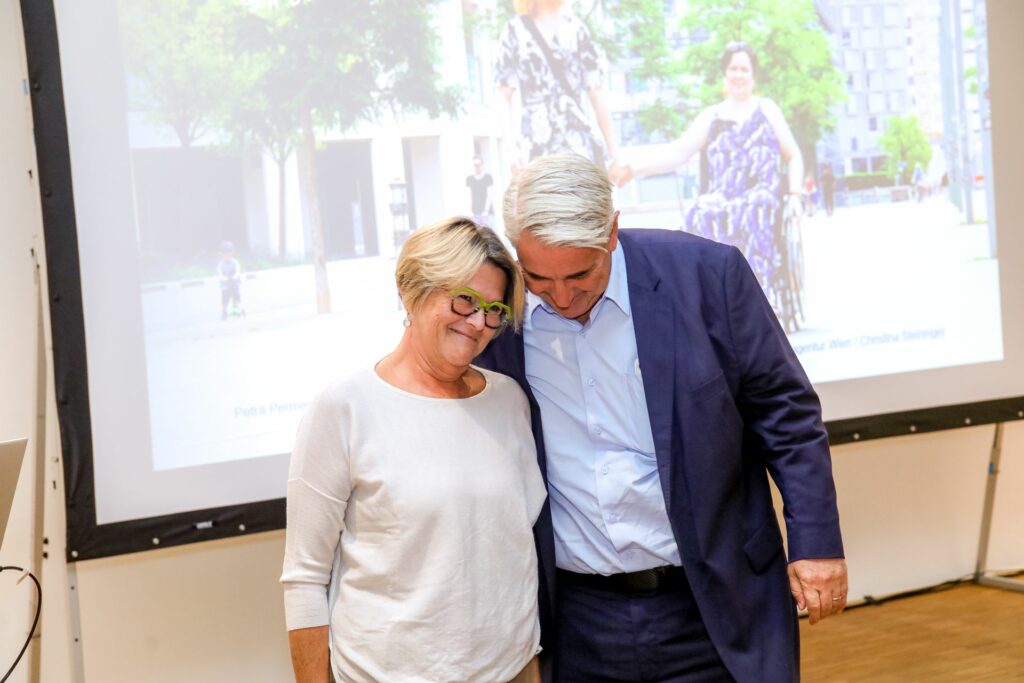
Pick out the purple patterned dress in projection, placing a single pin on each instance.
(739, 202)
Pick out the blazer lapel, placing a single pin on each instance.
(511, 361)
(506, 355)
(653, 315)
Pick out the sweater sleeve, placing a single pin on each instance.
(319, 485)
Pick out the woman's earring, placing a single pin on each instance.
(407, 321)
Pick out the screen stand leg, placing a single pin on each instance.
(76, 664)
(74, 617)
(39, 461)
(981, 575)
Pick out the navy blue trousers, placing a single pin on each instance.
(653, 636)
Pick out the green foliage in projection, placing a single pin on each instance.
(905, 142)
(179, 61)
(643, 28)
(198, 65)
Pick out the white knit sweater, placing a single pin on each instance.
(409, 531)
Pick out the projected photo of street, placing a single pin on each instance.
(281, 153)
(887, 263)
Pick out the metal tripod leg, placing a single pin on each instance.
(981, 576)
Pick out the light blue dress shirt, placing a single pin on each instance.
(606, 498)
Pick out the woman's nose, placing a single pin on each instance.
(476, 319)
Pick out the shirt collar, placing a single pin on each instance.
(617, 290)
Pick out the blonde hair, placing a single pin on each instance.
(563, 200)
(445, 255)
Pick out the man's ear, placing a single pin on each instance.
(613, 237)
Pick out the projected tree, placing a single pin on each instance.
(257, 115)
(280, 74)
(340, 63)
(907, 146)
(644, 26)
(181, 67)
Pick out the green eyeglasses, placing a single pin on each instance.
(466, 302)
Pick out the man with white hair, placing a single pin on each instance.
(663, 393)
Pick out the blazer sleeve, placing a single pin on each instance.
(782, 416)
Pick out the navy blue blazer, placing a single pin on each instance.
(729, 404)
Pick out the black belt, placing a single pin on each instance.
(658, 578)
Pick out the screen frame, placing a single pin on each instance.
(86, 539)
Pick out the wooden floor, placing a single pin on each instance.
(965, 633)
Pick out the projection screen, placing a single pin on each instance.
(226, 184)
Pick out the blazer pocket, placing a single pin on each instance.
(763, 546)
(710, 388)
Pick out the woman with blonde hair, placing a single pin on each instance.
(413, 488)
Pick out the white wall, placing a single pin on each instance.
(911, 507)
(200, 613)
(19, 225)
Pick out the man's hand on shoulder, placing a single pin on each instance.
(819, 586)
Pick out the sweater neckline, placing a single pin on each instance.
(398, 390)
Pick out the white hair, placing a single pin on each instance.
(563, 200)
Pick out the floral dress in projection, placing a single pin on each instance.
(553, 120)
(740, 203)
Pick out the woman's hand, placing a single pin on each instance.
(620, 174)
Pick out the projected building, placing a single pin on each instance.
(870, 46)
(915, 58)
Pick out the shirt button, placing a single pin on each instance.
(591, 381)
(598, 431)
(604, 469)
